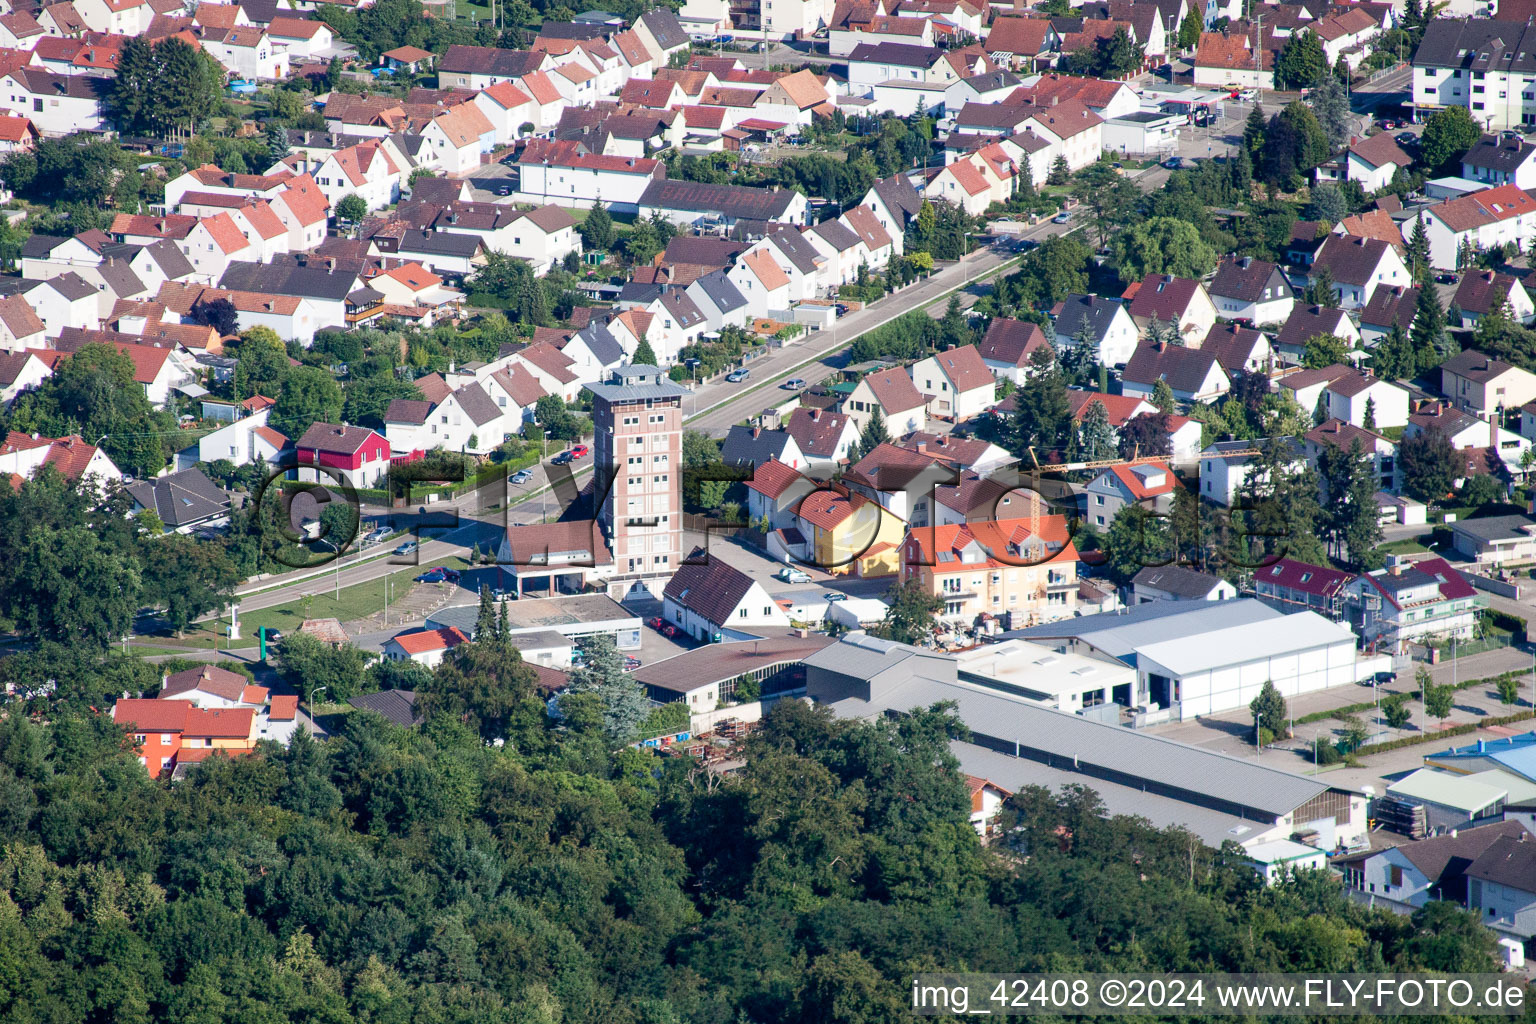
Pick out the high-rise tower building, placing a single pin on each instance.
(637, 413)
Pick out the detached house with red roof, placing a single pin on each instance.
(708, 598)
(22, 455)
(1291, 586)
(1494, 216)
(956, 382)
(1148, 484)
(365, 170)
(903, 407)
(566, 173)
(1409, 602)
(424, 646)
(1358, 266)
(168, 733)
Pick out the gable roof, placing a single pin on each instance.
(816, 431)
(1096, 312)
(712, 590)
(1482, 292)
(181, 498)
(1318, 580)
(1164, 297)
(1307, 322)
(1118, 408)
(1391, 305)
(894, 390)
(1177, 580)
(1185, 369)
(1245, 278)
(965, 369)
(1011, 342)
(1232, 345)
(1350, 259)
(1381, 150)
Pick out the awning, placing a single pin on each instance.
(757, 124)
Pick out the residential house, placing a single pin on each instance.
(824, 438)
(1358, 266)
(1009, 345)
(755, 447)
(1481, 384)
(1501, 886)
(301, 37)
(708, 599)
(1356, 396)
(481, 67)
(1450, 70)
(697, 204)
(1405, 877)
(1239, 349)
(1075, 132)
(1372, 162)
(1233, 62)
(1176, 583)
(424, 646)
(566, 174)
(20, 327)
(244, 440)
(1226, 465)
(1481, 292)
(722, 304)
(893, 394)
(1020, 43)
(56, 104)
(762, 282)
(1409, 602)
(1292, 586)
(1105, 323)
(1180, 301)
(1336, 433)
(20, 372)
(1252, 291)
(1389, 307)
(182, 500)
(462, 136)
(1308, 322)
(168, 733)
(844, 532)
(957, 383)
(1471, 435)
(1148, 484)
(1497, 160)
(23, 454)
(1193, 375)
(1477, 221)
(356, 454)
(1019, 570)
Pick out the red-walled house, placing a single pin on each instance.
(359, 454)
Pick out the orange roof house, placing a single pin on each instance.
(1024, 568)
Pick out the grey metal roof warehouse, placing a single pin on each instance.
(1096, 751)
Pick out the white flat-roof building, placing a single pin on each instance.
(1276, 858)
(1224, 669)
(1064, 681)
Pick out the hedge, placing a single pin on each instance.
(667, 720)
(1455, 730)
(1355, 709)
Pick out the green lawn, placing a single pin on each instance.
(1407, 546)
(355, 602)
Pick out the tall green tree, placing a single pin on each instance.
(1428, 331)
(1041, 419)
(597, 230)
(910, 613)
(1447, 135)
(1097, 436)
(872, 436)
(1269, 712)
(1331, 106)
(1428, 463)
(1302, 63)
(623, 700)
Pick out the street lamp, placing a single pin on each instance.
(312, 691)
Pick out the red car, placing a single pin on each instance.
(580, 451)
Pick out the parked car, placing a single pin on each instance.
(1406, 139)
(561, 459)
(789, 574)
(522, 476)
(737, 376)
(793, 384)
(431, 577)
(580, 451)
(409, 547)
(503, 594)
(504, 190)
(630, 664)
(1062, 218)
(833, 595)
(451, 575)
(1446, 278)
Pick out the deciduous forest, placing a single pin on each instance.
(427, 875)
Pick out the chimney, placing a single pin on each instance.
(757, 432)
